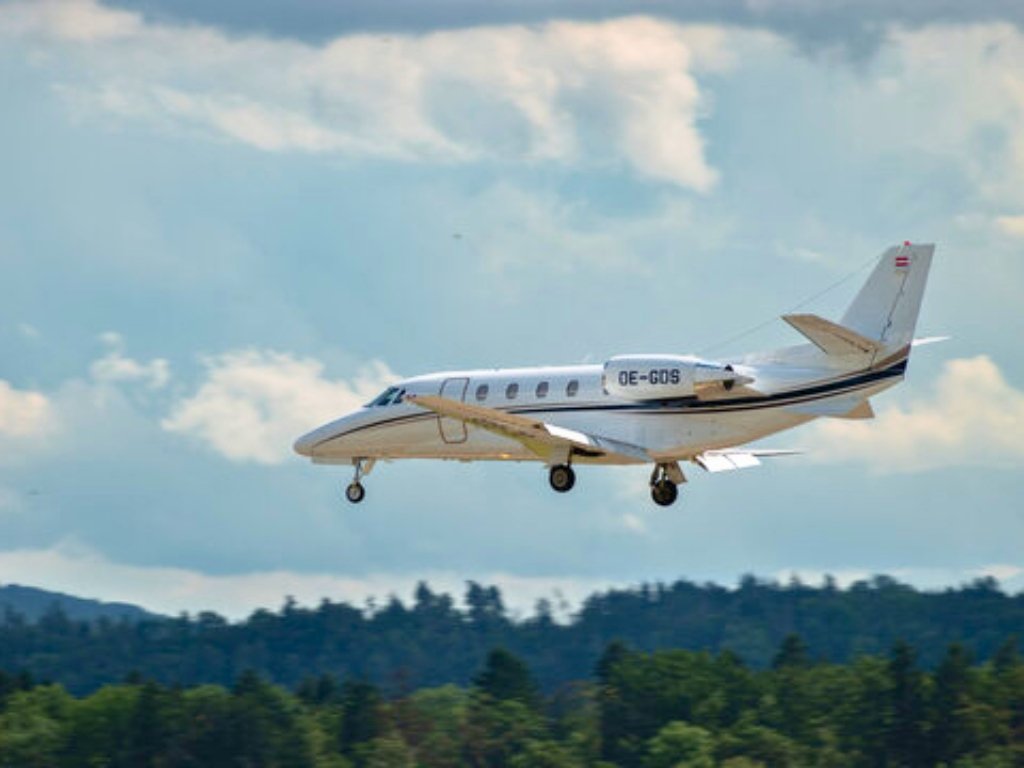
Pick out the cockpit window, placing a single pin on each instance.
(383, 398)
(398, 397)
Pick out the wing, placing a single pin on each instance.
(737, 458)
(544, 439)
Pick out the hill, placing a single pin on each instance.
(31, 604)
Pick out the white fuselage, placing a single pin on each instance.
(575, 397)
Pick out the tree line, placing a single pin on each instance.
(434, 641)
(636, 710)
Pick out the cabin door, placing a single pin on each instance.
(453, 430)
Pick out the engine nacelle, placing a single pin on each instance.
(666, 377)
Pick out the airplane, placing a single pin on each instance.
(657, 409)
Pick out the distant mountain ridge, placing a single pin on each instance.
(32, 603)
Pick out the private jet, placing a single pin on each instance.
(656, 409)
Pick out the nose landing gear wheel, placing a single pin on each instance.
(355, 492)
(562, 478)
(664, 493)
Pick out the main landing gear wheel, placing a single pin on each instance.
(665, 481)
(355, 492)
(664, 492)
(562, 478)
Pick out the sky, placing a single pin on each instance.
(222, 224)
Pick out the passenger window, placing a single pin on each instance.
(511, 391)
(542, 389)
(481, 392)
(572, 388)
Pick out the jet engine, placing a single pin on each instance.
(666, 377)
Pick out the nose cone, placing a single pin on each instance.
(328, 441)
(305, 444)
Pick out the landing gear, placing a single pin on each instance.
(354, 491)
(562, 478)
(664, 493)
(665, 481)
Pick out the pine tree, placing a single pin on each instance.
(505, 676)
(951, 732)
(792, 653)
(906, 738)
(361, 715)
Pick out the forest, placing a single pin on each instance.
(436, 640)
(635, 709)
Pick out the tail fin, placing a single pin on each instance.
(886, 309)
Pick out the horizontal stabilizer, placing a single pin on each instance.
(730, 459)
(831, 338)
(836, 408)
(929, 340)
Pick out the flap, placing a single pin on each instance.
(737, 458)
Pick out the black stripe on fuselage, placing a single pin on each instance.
(680, 407)
(789, 397)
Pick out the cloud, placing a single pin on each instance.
(1011, 225)
(254, 403)
(266, 127)
(975, 417)
(612, 94)
(83, 21)
(24, 413)
(250, 407)
(77, 569)
(526, 234)
(82, 413)
(979, 70)
(114, 367)
(634, 523)
(855, 28)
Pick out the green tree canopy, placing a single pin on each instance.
(506, 677)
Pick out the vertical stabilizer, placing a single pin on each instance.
(887, 306)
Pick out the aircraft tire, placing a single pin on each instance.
(664, 492)
(562, 478)
(355, 492)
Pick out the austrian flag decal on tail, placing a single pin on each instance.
(902, 261)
